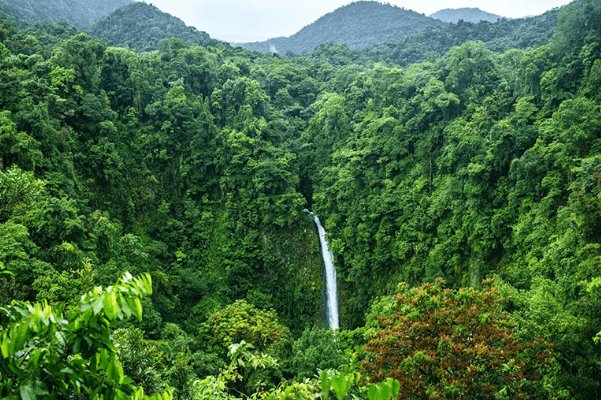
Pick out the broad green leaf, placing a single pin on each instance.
(372, 392)
(33, 389)
(396, 387)
(36, 318)
(4, 345)
(110, 305)
(124, 306)
(341, 385)
(34, 358)
(19, 337)
(385, 392)
(97, 304)
(325, 382)
(60, 336)
(136, 307)
(28, 392)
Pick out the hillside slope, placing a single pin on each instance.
(78, 13)
(142, 26)
(474, 15)
(499, 37)
(357, 25)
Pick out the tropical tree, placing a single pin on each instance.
(443, 343)
(55, 353)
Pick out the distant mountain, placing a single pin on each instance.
(500, 36)
(433, 43)
(142, 26)
(473, 15)
(78, 13)
(357, 25)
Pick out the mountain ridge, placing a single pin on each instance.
(375, 22)
(432, 43)
(467, 14)
(142, 26)
(78, 13)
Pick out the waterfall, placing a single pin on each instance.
(331, 289)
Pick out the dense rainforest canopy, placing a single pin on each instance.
(190, 166)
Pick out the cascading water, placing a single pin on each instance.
(328, 260)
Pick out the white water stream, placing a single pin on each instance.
(332, 291)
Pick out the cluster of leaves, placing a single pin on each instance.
(56, 353)
(330, 384)
(241, 321)
(18, 190)
(440, 343)
(316, 349)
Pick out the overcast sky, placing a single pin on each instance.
(258, 20)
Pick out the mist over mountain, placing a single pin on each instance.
(78, 13)
(142, 26)
(474, 15)
(357, 25)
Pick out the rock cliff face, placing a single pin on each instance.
(358, 24)
(76, 12)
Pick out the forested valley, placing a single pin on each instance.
(154, 243)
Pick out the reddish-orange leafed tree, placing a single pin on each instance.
(441, 343)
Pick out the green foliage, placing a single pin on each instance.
(50, 353)
(547, 311)
(18, 190)
(242, 369)
(241, 321)
(340, 384)
(142, 360)
(17, 147)
(193, 164)
(384, 390)
(316, 349)
(329, 384)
